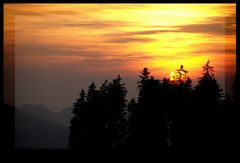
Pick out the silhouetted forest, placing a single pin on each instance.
(168, 115)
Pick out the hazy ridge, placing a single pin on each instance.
(37, 127)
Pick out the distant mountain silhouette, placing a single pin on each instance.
(43, 113)
(37, 127)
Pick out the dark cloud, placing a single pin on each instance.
(230, 25)
(230, 50)
(55, 50)
(207, 51)
(93, 24)
(208, 28)
(230, 19)
(38, 12)
(76, 23)
(146, 32)
(126, 39)
(215, 48)
(135, 57)
(214, 26)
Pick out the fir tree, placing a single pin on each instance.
(79, 124)
(95, 119)
(208, 91)
(207, 98)
(131, 125)
(117, 102)
(150, 128)
(178, 89)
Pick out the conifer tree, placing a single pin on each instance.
(96, 123)
(131, 125)
(207, 97)
(150, 128)
(143, 77)
(117, 102)
(208, 91)
(179, 93)
(79, 124)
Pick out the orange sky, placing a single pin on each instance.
(122, 38)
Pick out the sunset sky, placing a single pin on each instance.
(60, 48)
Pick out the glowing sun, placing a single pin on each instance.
(179, 75)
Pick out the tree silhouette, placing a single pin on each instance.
(150, 127)
(130, 141)
(231, 118)
(94, 118)
(207, 91)
(117, 102)
(79, 124)
(169, 115)
(179, 92)
(143, 77)
(99, 120)
(179, 76)
(207, 98)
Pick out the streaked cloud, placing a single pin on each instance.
(216, 28)
(126, 39)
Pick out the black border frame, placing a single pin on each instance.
(8, 120)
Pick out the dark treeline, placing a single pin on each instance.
(168, 115)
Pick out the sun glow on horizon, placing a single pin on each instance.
(179, 75)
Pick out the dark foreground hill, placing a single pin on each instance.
(33, 132)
